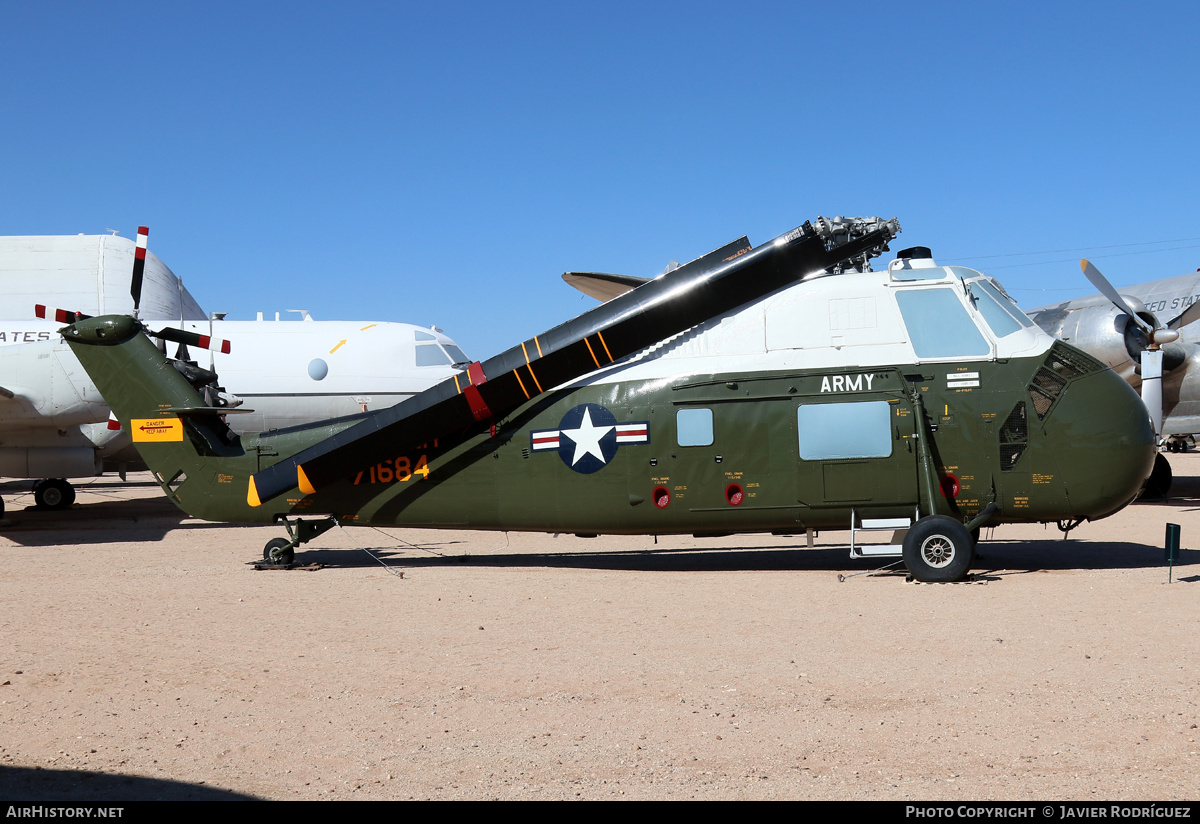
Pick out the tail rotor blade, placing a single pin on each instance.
(192, 339)
(57, 315)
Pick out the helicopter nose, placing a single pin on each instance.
(1103, 443)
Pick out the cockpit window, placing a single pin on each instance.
(939, 326)
(457, 354)
(430, 354)
(1001, 322)
(1004, 302)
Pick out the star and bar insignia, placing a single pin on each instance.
(587, 437)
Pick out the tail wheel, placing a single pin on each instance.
(279, 552)
(938, 549)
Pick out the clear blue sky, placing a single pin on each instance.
(446, 162)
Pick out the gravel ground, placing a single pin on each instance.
(142, 657)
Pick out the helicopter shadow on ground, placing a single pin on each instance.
(95, 522)
(995, 559)
(30, 784)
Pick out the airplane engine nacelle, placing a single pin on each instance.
(1110, 335)
(48, 462)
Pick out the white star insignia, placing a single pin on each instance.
(587, 437)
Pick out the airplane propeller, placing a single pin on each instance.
(1154, 341)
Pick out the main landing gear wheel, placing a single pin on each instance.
(279, 552)
(53, 493)
(1159, 482)
(938, 549)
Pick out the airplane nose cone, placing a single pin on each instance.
(1103, 443)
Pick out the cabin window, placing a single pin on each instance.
(694, 427)
(859, 429)
(939, 326)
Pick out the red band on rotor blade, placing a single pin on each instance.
(479, 407)
(475, 372)
(39, 311)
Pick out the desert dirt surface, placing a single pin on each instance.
(142, 657)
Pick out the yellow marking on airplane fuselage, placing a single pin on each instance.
(341, 343)
(368, 326)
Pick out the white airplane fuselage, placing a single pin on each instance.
(53, 422)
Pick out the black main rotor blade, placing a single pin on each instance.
(627, 324)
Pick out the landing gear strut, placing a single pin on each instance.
(53, 493)
(281, 552)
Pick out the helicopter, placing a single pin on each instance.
(782, 388)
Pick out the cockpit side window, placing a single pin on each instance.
(938, 324)
(1003, 302)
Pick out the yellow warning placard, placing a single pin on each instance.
(156, 430)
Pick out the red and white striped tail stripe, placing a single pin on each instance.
(50, 313)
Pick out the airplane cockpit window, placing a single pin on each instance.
(858, 429)
(694, 427)
(456, 354)
(430, 354)
(938, 324)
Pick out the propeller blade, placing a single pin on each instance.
(1190, 314)
(1105, 288)
(624, 325)
(139, 267)
(192, 339)
(57, 315)
(1152, 362)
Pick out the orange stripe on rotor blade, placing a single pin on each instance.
(592, 352)
(610, 357)
(536, 382)
(252, 494)
(522, 384)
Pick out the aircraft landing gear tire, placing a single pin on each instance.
(938, 549)
(53, 493)
(1159, 483)
(279, 552)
